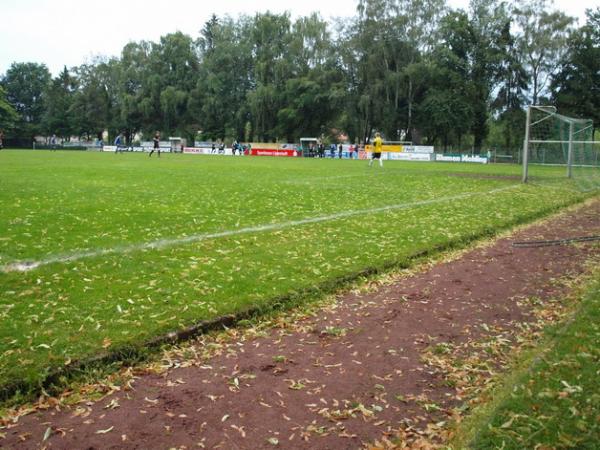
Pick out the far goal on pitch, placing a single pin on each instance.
(554, 139)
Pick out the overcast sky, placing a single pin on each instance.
(69, 32)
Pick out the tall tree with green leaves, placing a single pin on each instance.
(174, 64)
(446, 113)
(58, 99)
(138, 96)
(488, 18)
(314, 92)
(417, 24)
(510, 91)
(542, 41)
(25, 85)
(218, 102)
(576, 86)
(8, 115)
(270, 38)
(385, 52)
(91, 107)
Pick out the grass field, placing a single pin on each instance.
(553, 399)
(123, 248)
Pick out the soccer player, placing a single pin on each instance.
(377, 146)
(119, 143)
(156, 141)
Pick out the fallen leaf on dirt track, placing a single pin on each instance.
(239, 430)
(47, 433)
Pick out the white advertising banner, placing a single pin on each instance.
(208, 151)
(474, 159)
(410, 156)
(419, 148)
(462, 158)
(447, 158)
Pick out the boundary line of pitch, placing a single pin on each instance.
(25, 266)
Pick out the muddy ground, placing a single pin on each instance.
(339, 379)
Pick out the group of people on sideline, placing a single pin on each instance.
(314, 151)
(319, 151)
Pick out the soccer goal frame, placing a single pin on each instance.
(578, 129)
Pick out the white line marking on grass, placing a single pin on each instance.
(25, 266)
(311, 181)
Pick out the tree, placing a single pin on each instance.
(384, 53)
(138, 94)
(542, 41)
(511, 88)
(58, 99)
(576, 86)
(488, 19)
(446, 112)
(313, 96)
(25, 85)
(175, 66)
(218, 102)
(270, 38)
(91, 106)
(417, 21)
(8, 115)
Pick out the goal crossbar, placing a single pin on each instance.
(537, 141)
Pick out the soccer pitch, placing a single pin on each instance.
(99, 251)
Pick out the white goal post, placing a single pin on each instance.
(554, 139)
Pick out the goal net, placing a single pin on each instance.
(554, 140)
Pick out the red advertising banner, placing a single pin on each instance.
(272, 152)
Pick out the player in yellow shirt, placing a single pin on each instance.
(377, 147)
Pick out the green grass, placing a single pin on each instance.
(60, 204)
(554, 400)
